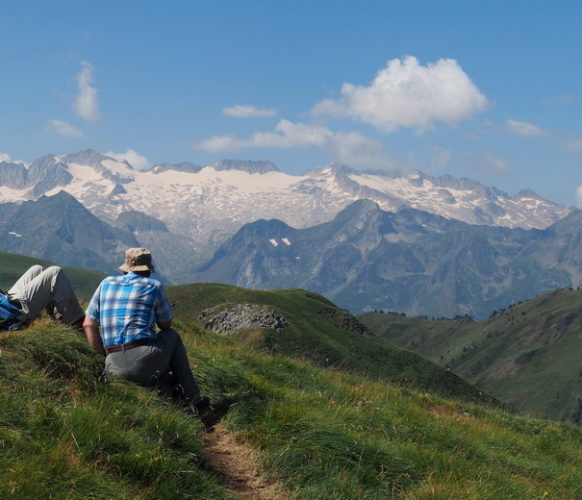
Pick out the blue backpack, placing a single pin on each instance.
(8, 313)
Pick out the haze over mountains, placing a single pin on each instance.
(448, 246)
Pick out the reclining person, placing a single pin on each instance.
(39, 289)
(120, 323)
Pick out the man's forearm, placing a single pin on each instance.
(93, 337)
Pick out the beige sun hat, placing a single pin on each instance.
(137, 259)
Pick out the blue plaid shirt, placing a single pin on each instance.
(127, 308)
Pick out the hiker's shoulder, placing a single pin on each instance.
(146, 281)
(111, 280)
(154, 282)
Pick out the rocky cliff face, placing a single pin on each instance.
(13, 175)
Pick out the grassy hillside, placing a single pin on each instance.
(320, 332)
(331, 411)
(528, 356)
(12, 266)
(325, 434)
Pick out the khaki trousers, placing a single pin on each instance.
(39, 288)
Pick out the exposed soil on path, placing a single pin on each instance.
(238, 466)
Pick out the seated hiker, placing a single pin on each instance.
(36, 290)
(120, 323)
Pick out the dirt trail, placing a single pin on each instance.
(238, 466)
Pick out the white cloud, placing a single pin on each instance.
(497, 163)
(87, 104)
(286, 135)
(220, 143)
(524, 129)
(136, 160)
(407, 94)
(240, 111)
(65, 129)
(4, 157)
(573, 145)
(350, 148)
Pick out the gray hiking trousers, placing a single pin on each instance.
(39, 289)
(149, 364)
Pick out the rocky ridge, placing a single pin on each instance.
(228, 319)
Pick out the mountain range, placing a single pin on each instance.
(434, 246)
(408, 261)
(184, 211)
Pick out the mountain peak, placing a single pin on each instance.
(528, 193)
(359, 210)
(331, 169)
(85, 157)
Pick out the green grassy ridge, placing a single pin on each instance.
(12, 266)
(326, 434)
(317, 330)
(321, 332)
(526, 356)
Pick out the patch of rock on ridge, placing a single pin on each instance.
(227, 319)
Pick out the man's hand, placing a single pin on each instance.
(91, 328)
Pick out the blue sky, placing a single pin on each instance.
(487, 90)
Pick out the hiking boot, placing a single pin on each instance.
(202, 406)
(208, 414)
(214, 416)
(13, 325)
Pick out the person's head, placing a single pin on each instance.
(138, 261)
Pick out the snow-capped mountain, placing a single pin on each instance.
(202, 206)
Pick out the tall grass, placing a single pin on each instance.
(63, 434)
(335, 435)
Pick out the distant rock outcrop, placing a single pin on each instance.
(228, 319)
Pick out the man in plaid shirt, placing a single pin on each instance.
(127, 309)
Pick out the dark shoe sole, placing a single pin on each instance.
(215, 415)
